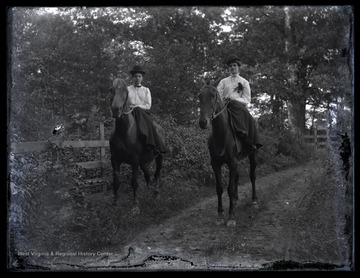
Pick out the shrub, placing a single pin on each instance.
(290, 146)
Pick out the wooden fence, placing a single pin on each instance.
(43, 146)
(319, 138)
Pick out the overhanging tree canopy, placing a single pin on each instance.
(64, 62)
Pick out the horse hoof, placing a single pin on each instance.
(231, 223)
(135, 211)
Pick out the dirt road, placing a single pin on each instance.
(299, 224)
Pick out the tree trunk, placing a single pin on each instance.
(296, 116)
(276, 112)
(296, 107)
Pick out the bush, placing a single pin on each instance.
(189, 157)
(281, 150)
(290, 146)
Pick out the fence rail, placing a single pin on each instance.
(43, 146)
(316, 138)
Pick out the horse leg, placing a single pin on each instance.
(219, 190)
(253, 164)
(236, 196)
(134, 185)
(231, 192)
(146, 174)
(159, 164)
(116, 176)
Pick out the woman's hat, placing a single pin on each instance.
(137, 69)
(233, 59)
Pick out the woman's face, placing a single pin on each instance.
(234, 68)
(137, 78)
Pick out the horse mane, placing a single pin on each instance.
(213, 88)
(210, 87)
(119, 82)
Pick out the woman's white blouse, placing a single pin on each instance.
(228, 89)
(139, 97)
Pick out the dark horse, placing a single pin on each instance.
(125, 145)
(222, 148)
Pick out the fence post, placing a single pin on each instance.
(102, 153)
(102, 138)
(55, 156)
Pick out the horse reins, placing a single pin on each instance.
(213, 114)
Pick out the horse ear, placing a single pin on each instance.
(119, 82)
(203, 81)
(206, 81)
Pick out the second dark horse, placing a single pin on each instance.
(126, 146)
(222, 149)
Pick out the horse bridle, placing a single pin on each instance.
(213, 114)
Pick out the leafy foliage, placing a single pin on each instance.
(63, 63)
(62, 66)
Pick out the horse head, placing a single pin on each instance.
(208, 98)
(119, 97)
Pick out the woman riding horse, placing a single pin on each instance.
(237, 90)
(140, 101)
(136, 140)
